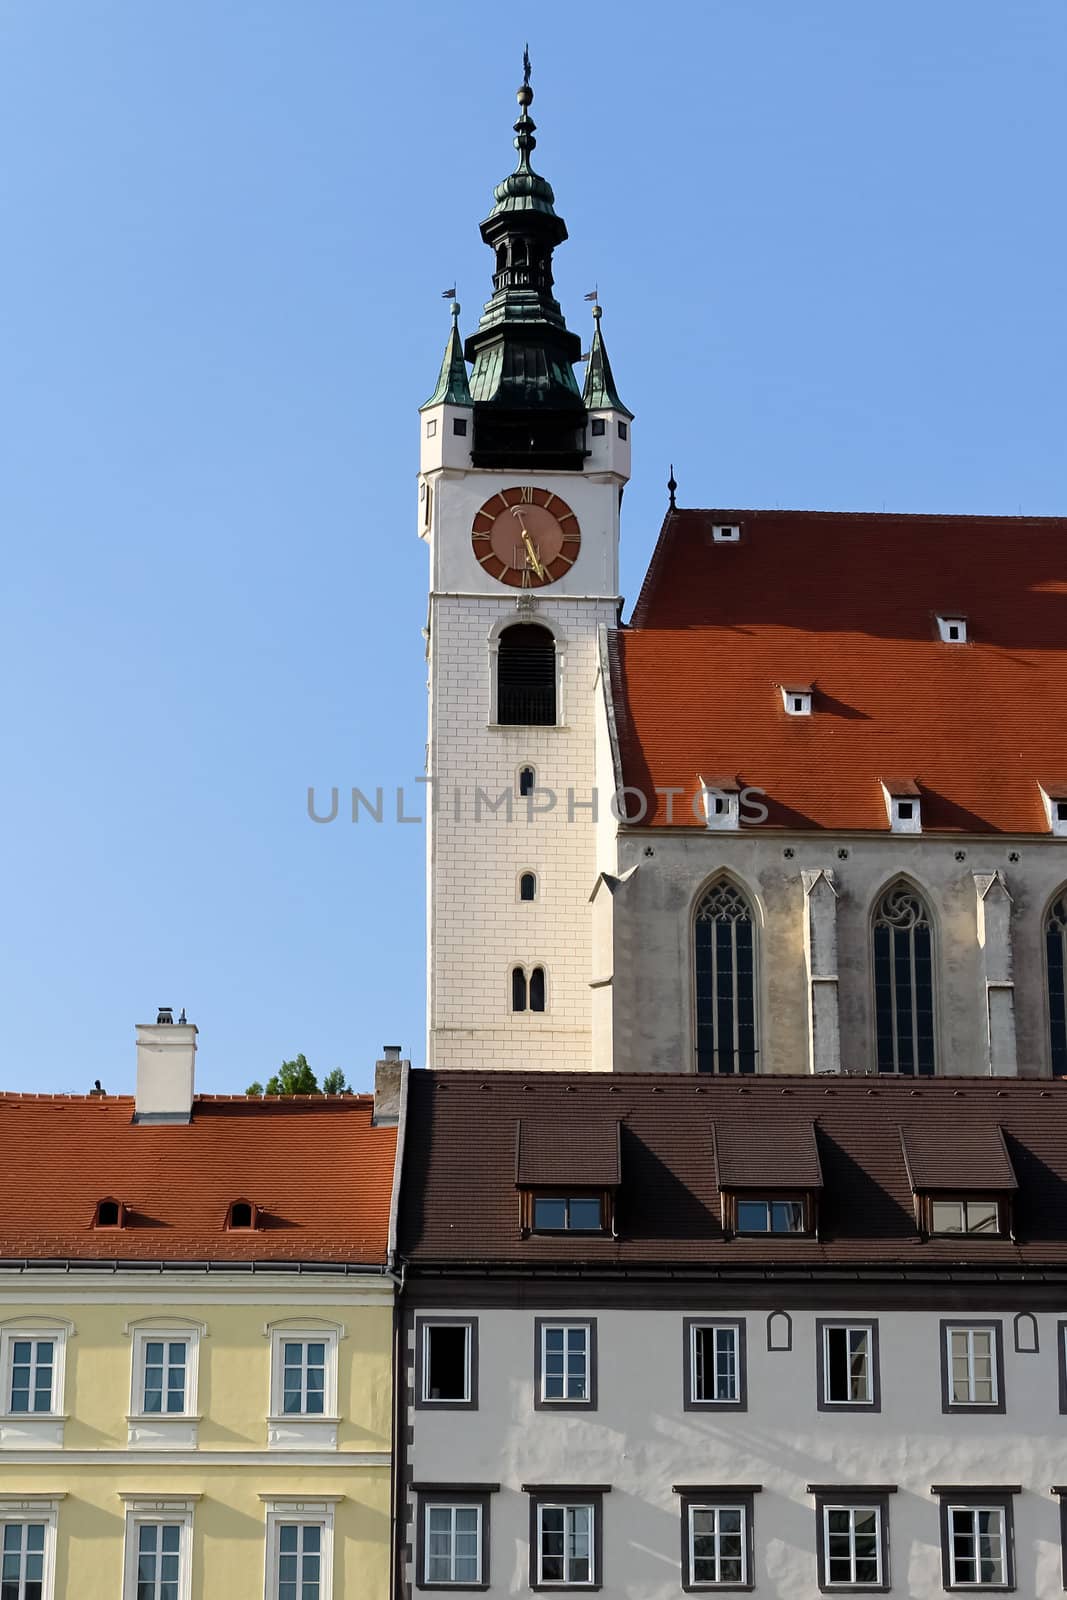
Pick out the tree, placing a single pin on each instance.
(254, 1090)
(293, 1077)
(335, 1082)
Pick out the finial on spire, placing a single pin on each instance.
(672, 488)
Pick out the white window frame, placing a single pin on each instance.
(426, 1330)
(973, 1512)
(898, 823)
(157, 1430)
(567, 1582)
(726, 532)
(849, 1329)
(36, 1508)
(717, 1506)
(722, 807)
(797, 702)
(141, 1509)
(586, 1330)
(951, 1331)
(946, 624)
(715, 1329)
(30, 1430)
(300, 1430)
(452, 1506)
(318, 1511)
(851, 1582)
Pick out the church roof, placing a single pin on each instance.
(849, 604)
(682, 1142)
(317, 1171)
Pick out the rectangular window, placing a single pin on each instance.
(599, 425)
(717, 1546)
(714, 1361)
(848, 1369)
(446, 1358)
(453, 1552)
(459, 427)
(565, 1356)
(972, 1372)
(303, 1377)
(964, 1216)
(299, 1565)
(165, 1362)
(976, 1553)
(567, 1214)
(565, 1544)
(22, 1573)
(771, 1216)
(33, 1363)
(623, 430)
(159, 1557)
(852, 1546)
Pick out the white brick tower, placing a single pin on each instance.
(520, 486)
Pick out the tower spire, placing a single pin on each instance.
(453, 389)
(600, 393)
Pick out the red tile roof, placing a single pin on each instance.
(459, 1203)
(319, 1174)
(849, 603)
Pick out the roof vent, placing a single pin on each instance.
(952, 630)
(165, 1015)
(721, 799)
(726, 532)
(242, 1215)
(797, 700)
(903, 804)
(110, 1214)
(1054, 796)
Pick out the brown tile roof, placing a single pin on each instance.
(459, 1203)
(540, 1158)
(318, 1172)
(767, 1155)
(975, 1159)
(848, 603)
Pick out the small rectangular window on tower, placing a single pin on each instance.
(459, 427)
(599, 427)
(623, 430)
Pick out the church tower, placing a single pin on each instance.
(520, 487)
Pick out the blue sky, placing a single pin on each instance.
(829, 240)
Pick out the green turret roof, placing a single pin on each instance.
(600, 393)
(453, 389)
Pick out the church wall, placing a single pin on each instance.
(653, 991)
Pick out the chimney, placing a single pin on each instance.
(388, 1077)
(166, 1051)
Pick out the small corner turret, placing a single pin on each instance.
(609, 419)
(446, 416)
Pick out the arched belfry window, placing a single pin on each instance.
(526, 675)
(904, 982)
(1056, 959)
(725, 951)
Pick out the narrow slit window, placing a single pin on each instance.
(518, 989)
(537, 989)
(528, 886)
(527, 781)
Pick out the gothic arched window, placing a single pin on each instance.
(904, 982)
(526, 676)
(725, 981)
(1056, 958)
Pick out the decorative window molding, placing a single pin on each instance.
(779, 1331)
(714, 1364)
(165, 1364)
(452, 1536)
(717, 1538)
(33, 1358)
(972, 1366)
(303, 1385)
(158, 1546)
(977, 1538)
(565, 1364)
(852, 1538)
(1025, 1334)
(902, 944)
(288, 1521)
(725, 978)
(952, 629)
(848, 1377)
(566, 1536)
(30, 1553)
(446, 1363)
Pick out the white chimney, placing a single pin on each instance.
(166, 1053)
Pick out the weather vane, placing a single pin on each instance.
(526, 66)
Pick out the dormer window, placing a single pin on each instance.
(758, 1214)
(1054, 797)
(110, 1214)
(797, 702)
(726, 533)
(973, 1214)
(952, 630)
(903, 805)
(567, 1213)
(770, 1181)
(960, 1190)
(242, 1216)
(721, 799)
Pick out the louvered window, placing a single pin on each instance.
(904, 983)
(725, 982)
(526, 676)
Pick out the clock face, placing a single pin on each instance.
(526, 537)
